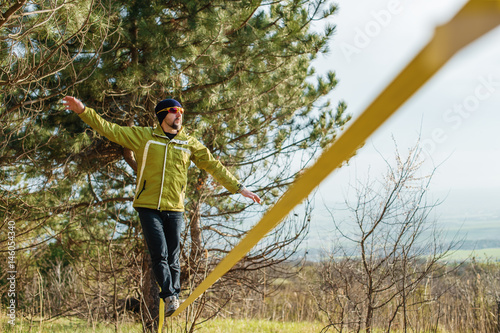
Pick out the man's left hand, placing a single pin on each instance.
(248, 194)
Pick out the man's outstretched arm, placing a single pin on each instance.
(128, 137)
(73, 104)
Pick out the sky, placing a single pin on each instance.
(456, 114)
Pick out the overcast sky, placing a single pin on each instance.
(456, 114)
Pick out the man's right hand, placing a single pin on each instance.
(73, 104)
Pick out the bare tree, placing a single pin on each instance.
(388, 247)
(252, 276)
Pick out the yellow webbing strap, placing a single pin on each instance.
(475, 19)
(161, 317)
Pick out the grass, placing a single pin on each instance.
(64, 325)
(483, 254)
(264, 326)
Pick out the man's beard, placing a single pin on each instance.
(175, 126)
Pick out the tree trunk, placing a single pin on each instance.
(195, 231)
(151, 301)
(369, 318)
(195, 227)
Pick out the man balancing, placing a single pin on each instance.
(163, 156)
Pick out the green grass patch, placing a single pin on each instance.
(480, 255)
(72, 325)
(261, 326)
(64, 325)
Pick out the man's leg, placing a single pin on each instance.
(172, 227)
(153, 230)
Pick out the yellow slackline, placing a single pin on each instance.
(475, 19)
(161, 318)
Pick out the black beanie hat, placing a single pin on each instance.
(166, 103)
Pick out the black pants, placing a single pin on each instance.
(162, 231)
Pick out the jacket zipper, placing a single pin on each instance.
(143, 188)
(163, 175)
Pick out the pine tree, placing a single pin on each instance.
(241, 69)
(39, 191)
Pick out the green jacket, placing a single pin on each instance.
(162, 163)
